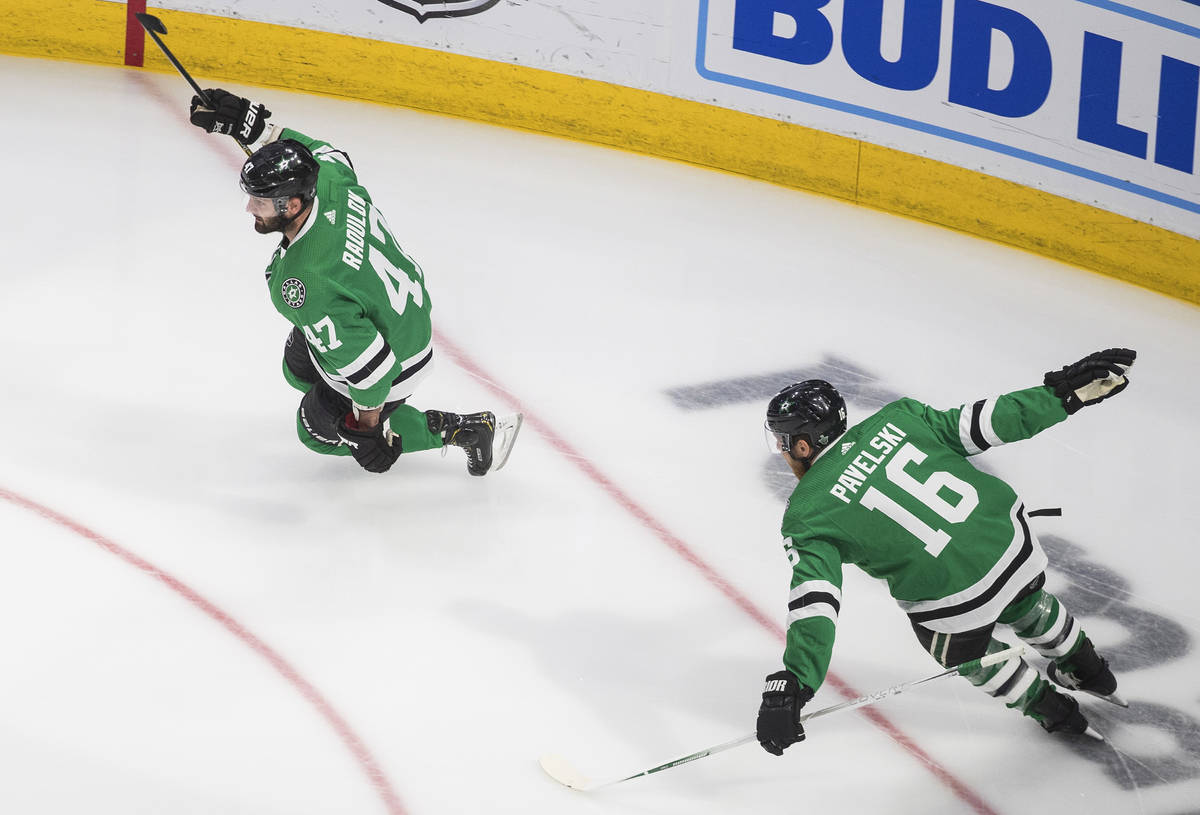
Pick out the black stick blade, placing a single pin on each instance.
(151, 23)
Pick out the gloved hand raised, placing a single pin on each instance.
(1092, 379)
(231, 115)
(375, 449)
(778, 724)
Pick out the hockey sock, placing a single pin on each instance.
(409, 424)
(1043, 622)
(1013, 681)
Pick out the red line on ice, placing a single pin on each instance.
(358, 749)
(959, 788)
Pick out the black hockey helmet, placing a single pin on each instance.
(812, 410)
(281, 170)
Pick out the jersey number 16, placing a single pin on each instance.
(928, 492)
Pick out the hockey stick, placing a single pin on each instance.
(154, 27)
(564, 773)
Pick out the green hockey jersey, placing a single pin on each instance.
(346, 283)
(896, 496)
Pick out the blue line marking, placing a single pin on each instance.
(930, 129)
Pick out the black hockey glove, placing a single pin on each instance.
(231, 115)
(1092, 379)
(374, 451)
(779, 715)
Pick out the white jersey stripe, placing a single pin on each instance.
(815, 610)
(366, 356)
(417, 357)
(964, 430)
(383, 369)
(985, 423)
(400, 390)
(987, 612)
(815, 585)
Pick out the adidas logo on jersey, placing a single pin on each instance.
(846, 445)
(332, 216)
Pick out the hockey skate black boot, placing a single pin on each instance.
(473, 432)
(1087, 671)
(1056, 712)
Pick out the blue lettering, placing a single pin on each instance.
(1178, 92)
(919, 46)
(754, 24)
(970, 58)
(1098, 92)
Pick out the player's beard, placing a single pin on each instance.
(798, 467)
(265, 226)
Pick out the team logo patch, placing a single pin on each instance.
(425, 9)
(293, 292)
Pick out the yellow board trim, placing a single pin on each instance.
(218, 48)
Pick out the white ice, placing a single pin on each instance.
(201, 616)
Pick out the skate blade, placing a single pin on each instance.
(1094, 733)
(1112, 698)
(507, 428)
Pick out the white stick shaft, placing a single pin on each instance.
(872, 698)
(708, 751)
(869, 699)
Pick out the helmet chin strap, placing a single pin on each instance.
(281, 208)
(805, 460)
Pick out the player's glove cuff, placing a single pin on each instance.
(375, 449)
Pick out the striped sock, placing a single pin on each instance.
(1043, 622)
(1013, 681)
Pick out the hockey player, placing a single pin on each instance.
(362, 339)
(896, 496)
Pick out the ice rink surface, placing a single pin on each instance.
(202, 616)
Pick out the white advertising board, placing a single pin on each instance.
(1092, 100)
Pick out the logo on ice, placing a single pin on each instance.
(425, 9)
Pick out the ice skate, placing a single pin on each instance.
(1056, 712)
(1086, 671)
(487, 442)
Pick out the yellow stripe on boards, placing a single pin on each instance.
(1030, 219)
(218, 48)
(79, 30)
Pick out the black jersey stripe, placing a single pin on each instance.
(975, 602)
(976, 429)
(369, 368)
(412, 369)
(812, 598)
